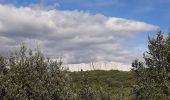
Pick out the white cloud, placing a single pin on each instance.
(119, 24)
(80, 36)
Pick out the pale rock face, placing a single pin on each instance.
(97, 66)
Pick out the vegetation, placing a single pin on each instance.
(29, 75)
(117, 83)
(153, 75)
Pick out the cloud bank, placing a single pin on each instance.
(80, 37)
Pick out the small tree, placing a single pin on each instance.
(28, 75)
(153, 75)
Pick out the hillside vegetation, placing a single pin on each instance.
(117, 83)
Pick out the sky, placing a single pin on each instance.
(83, 31)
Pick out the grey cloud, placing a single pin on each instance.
(79, 36)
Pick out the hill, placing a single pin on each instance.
(117, 83)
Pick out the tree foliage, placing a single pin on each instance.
(153, 75)
(28, 75)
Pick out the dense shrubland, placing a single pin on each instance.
(117, 83)
(29, 75)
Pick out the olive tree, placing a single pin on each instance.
(29, 75)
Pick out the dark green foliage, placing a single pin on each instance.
(88, 92)
(30, 76)
(153, 75)
(111, 85)
(85, 91)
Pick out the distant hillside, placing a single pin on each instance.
(117, 82)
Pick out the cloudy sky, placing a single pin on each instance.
(83, 31)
